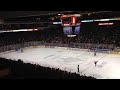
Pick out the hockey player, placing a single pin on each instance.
(21, 50)
(94, 53)
(95, 62)
(78, 68)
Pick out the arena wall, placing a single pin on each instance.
(38, 44)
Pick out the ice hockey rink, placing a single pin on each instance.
(108, 66)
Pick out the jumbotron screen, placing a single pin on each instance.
(71, 30)
(67, 30)
(77, 30)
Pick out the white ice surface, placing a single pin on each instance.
(108, 66)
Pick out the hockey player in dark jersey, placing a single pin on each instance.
(94, 53)
(95, 62)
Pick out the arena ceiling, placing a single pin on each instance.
(11, 14)
(14, 14)
(27, 13)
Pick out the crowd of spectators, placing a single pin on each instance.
(20, 70)
(88, 34)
